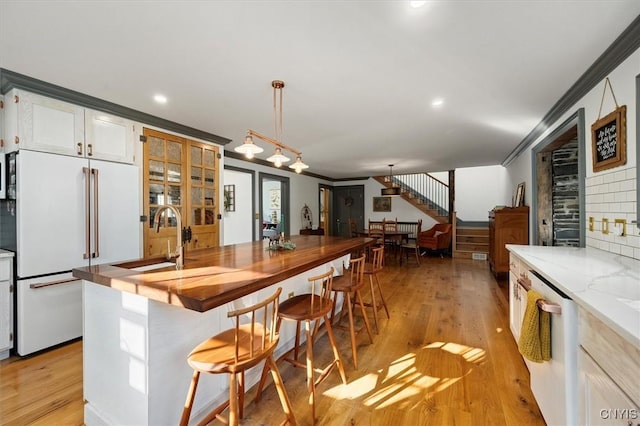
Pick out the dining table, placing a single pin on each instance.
(398, 237)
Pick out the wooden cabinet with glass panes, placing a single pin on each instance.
(181, 173)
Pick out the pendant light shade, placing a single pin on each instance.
(298, 166)
(248, 148)
(278, 158)
(393, 190)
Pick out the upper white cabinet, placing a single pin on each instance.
(108, 137)
(44, 124)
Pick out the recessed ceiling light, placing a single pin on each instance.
(437, 102)
(417, 4)
(161, 99)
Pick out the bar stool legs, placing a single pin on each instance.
(308, 308)
(372, 269)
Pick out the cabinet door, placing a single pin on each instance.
(601, 401)
(50, 125)
(202, 195)
(6, 313)
(118, 213)
(52, 213)
(108, 137)
(514, 307)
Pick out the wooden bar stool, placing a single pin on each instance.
(350, 285)
(232, 352)
(371, 269)
(307, 308)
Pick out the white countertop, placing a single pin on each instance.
(605, 284)
(5, 253)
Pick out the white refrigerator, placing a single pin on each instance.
(70, 212)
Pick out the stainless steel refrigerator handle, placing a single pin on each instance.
(52, 283)
(96, 213)
(87, 208)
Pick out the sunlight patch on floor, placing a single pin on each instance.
(439, 365)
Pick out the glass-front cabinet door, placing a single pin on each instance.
(203, 195)
(163, 186)
(183, 174)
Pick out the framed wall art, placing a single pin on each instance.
(381, 204)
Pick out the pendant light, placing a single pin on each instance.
(249, 149)
(393, 190)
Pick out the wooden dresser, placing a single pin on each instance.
(508, 225)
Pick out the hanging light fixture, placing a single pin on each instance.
(394, 190)
(249, 149)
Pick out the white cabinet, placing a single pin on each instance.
(6, 306)
(517, 295)
(108, 137)
(602, 402)
(609, 368)
(44, 124)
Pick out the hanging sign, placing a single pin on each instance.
(609, 139)
(609, 135)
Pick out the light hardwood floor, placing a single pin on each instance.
(446, 357)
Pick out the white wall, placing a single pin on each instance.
(610, 193)
(400, 209)
(303, 190)
(235, 229)
(478, 190)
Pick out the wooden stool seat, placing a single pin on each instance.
(304, 307)
(309, 308)
(410, 247)
(217, 354)
(351, 285)
(232, 352)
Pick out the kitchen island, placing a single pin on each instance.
(142, 318)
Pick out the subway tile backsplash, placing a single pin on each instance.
(612, 195)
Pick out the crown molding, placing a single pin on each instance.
(623, 46)
(13, 80)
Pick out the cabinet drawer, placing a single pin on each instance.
(617, 357)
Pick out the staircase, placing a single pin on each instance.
(471, 243)
(423, 191)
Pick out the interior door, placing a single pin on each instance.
(348, 203)
(51, 213)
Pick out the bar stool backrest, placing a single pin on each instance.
(262, 320)
(357, 271)
(321, 286)
(378, 255)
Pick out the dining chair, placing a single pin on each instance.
(411, 245)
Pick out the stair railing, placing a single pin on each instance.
(426, 189)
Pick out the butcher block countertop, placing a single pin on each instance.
(215, 276)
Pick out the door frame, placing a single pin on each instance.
(285, 201)
(576, 120)
(253, 198)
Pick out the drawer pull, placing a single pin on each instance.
(543, 305)
(50, 283)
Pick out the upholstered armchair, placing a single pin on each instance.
(438, 238)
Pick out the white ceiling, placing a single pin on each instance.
(360, 76)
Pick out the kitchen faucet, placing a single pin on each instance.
(179, 253)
